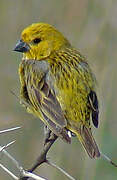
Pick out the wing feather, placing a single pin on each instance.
(43, 99)
(94, 106)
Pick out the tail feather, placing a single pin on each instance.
(87, 140)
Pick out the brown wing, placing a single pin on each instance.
(87, 140)
(43, 98)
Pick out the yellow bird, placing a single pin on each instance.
(57, 85)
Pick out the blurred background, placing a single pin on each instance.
(91, 26)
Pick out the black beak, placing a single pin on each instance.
(22, 47)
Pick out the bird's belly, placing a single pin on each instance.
(74, 105)
(72, 93)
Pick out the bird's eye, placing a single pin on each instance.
(37, 40)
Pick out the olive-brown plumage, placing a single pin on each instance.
(57, 84)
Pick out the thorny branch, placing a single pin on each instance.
(108, 159)
(24, 175)
(43, 158)
(9, 130)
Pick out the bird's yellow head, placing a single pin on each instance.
(39, 40)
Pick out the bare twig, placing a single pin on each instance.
(23, 173)
(6, 146)
(11, 158)
(9, 172)
(42, 158)
(9, 130)
(60, 169)
(108, 159)
(28, 174)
